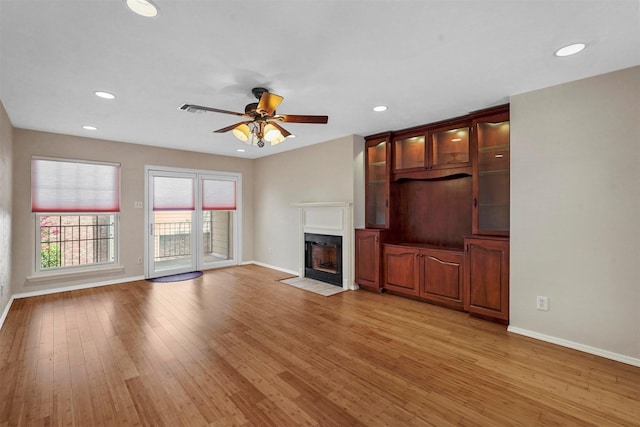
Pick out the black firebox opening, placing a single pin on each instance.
(323, 258)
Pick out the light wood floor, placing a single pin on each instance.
(236, 347)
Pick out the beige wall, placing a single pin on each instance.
(317, 173)
(575, 215)
(6, 168)
(133, 158)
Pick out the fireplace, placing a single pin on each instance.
(323, 258)
(333, 220)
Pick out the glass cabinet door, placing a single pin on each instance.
(491, 192)
(450, 148)
(409, 153)
(377, 184)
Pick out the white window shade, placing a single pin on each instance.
(173, 194)
(72, 186)
(218, 195)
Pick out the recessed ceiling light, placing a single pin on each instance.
(240, 150)
(87, 127)
(379, 108)
(105, 95)
(143, 8)
(571, 49)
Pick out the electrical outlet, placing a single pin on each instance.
(542, 303)
(140, 260)
(270, 250)
(138, 204)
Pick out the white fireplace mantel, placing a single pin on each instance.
(334, 219)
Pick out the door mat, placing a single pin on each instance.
(315, 286)
(177, 277)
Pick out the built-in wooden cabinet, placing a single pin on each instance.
(433, 151)
(377, 180)
(429, 273)
(401, 269)
(368, 257)
(441, 193)
(442, 277)
(491, 175)
(487, 276)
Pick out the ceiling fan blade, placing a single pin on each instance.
(296, 118)
(191, 108)
(228, 128)
(269, 102)
(282, 130)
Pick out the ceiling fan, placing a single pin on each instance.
(262, 122)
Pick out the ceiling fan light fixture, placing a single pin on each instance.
(571, 49)
(272, 134)
(242, 132)
(143, 8)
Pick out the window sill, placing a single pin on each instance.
(77, 274)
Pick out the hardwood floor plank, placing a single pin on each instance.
(237, 348)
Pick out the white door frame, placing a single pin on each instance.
(197, 221)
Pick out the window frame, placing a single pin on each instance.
(74, 268)
(36, 215)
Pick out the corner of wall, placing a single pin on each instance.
(6, 206)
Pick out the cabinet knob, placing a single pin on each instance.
(475, 202)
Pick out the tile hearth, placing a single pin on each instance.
(314, 286)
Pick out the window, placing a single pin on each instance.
(76, 206)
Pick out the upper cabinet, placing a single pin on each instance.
(491, 174)
(433, 151)
(377, 185)
(409, 152)
(449, 148)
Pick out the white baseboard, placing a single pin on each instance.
(76, 287)
(273, 267)
(576, 346)
(6, 311)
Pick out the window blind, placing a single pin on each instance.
(218, 195)
(74, 186)
(173, 194)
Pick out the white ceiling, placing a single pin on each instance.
(426, 60)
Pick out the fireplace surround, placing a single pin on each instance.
(329, 219)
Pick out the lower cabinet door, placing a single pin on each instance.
(442, 276)
(367, 255)
(401, 273)
(487, 277)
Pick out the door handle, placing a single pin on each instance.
(151, 229)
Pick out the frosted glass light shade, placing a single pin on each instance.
(242, 132)
(272, 134)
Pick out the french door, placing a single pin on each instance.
(191, 221)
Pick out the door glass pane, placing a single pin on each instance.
(172, 239)
(217, 236)
(377, 184)
(450, 147)
(493, 176)
(409, 153)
